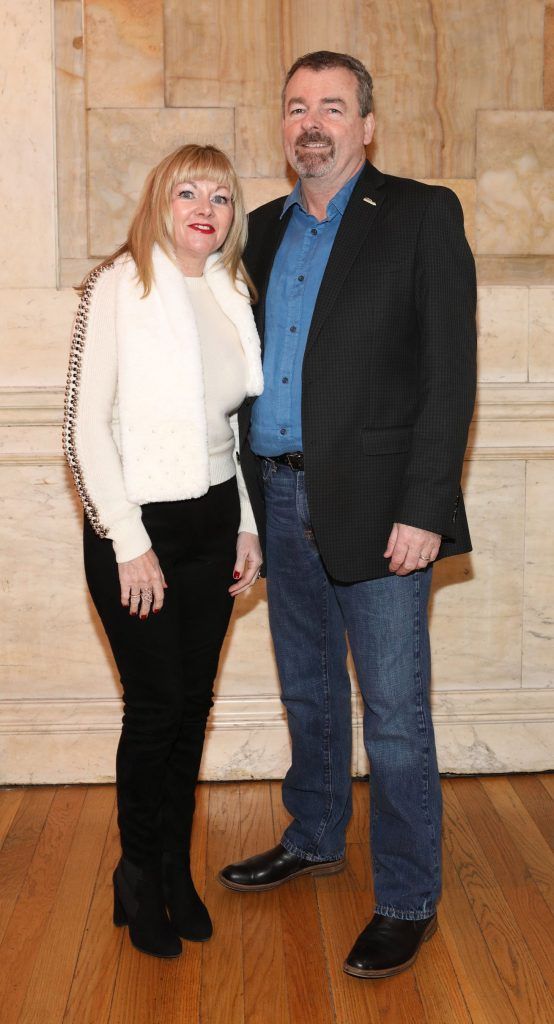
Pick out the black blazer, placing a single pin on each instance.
(388, 379)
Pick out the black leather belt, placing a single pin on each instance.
(294, 460)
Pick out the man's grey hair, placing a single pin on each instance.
(323, 59)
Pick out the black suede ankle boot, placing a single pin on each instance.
(139, 903)
(187, 913)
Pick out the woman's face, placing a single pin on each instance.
(202, 216)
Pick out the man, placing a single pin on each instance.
(367, 311)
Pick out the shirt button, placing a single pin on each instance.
(314, 231)
(292, 329)
(284, 380)
(301, 277)
(282, 430)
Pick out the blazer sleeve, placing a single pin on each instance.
(88, 439)
(445, 289)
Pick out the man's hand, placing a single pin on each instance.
(409, 548)
(247, 565)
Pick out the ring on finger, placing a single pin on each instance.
(425, 558)
(146, 594)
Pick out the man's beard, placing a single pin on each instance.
(313, 163)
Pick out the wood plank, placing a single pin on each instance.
(262, 938)
(22, 938)
(345, 904)
(538, 803)
(222, 995)
(306, 965)
(306, 968)
(358, 830)
(534, 919)
(480, 983)
(531, 843)
(52, 975)
(519, 973)
(93, 983)
(148, 989)
(438, 984)
(547, 780)
(19, 847)
(10, 802)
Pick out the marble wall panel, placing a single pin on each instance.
(259, 151)
(247, 664)
(549, 55)
(477, 599)
(502, 318)
(541, 334)
(258, 191)
(124, 53)
(45, 589)
(538, 618)
(36, 325)
(515, 182)
(27, 170)
(70, 130)
(527, 270)
(223, 53)
(123, 147)
(486, 57)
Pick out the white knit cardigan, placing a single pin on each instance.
(135, 426)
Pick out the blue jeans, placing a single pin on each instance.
(386, 622)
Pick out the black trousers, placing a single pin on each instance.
(167, 663)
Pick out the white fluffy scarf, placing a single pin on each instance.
(163, 428)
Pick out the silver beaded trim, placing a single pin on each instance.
(78, 341)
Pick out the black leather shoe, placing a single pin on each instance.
(388, 946)
(272, 868)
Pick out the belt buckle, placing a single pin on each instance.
(295, 460)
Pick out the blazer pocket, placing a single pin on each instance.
(391, 441)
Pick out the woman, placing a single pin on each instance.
(164, 352)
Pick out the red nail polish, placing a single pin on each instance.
(236, 575)
(156, 610)
(143, 617)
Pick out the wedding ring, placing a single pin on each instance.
(146, 594)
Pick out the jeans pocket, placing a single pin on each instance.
(268, 469)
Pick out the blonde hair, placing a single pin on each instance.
(153, 219)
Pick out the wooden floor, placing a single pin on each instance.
(276, 958)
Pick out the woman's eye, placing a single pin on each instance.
(221, 200)
(186, 193)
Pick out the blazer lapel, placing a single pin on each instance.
(358, 218)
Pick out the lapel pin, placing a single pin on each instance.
(368, 200)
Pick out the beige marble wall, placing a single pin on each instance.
(95, 93)
(27, 169)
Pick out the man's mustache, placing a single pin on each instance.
(309, 137)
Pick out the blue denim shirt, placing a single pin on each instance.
(291, 297)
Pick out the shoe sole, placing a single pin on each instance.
(358, 972)
(316, 870)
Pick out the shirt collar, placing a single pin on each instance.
(339, 202)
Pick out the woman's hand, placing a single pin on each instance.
(247, 565)
(142, 583)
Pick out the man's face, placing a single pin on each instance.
(323, 132)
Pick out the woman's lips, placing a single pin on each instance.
(204, 229)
